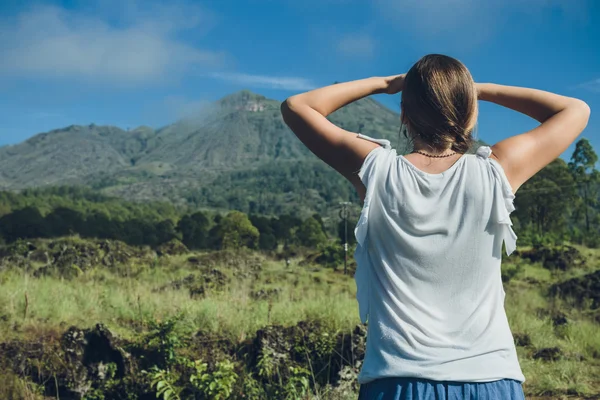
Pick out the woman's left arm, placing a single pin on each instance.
(306, 114)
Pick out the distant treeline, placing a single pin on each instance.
(65, 211)
(560, 203)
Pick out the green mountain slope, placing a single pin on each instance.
(238, 153)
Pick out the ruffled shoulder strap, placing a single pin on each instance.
(503, 199)
(386, 144)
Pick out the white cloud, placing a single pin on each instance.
(271, 82)
(133, 47)
(592, 86)
(356, 46)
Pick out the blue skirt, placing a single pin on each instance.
(422, 389)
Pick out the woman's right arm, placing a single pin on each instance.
(562, 120)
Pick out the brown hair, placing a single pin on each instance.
(439, 103)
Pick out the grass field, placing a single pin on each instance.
(229, 297)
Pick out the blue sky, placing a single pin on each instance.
(131, 63)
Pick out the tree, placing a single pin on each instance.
(267, 239)
(320, 220)
(165, 232)
(542, 203)
(234, 231)
(284, 227)
(311, 233)
(584, 172)
(99, 225)
(24, 223)
(64, 221)
(194, 230)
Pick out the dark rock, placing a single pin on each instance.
(583, 290)
(548, 354)
(308, 343)
(171, 248)
(559, 319)
(68, 258)
(553, 258)
(522, 339)
(194, 260)
(71, 366)
(88, 353)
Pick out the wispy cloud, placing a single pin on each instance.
(143, 46)
(592, 86)
(355, 45)
(262, 81)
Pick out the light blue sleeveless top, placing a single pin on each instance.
(428, 269)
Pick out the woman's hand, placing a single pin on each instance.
(395, 83)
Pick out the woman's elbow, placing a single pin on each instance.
(289, 109)
(289, 105)
(583, 111)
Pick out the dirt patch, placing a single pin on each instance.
(554, 258)
(522, 339)
(580, 291)
(548, 354)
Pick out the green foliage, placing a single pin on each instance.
(265, 226)
(163, 339)
(194, 230)
(301, 358)
(235, 231)
(509, 271)
(298, 383)
(266, 364)
(310, 233)
(164, 384)
(542, 203)
(15, 387)
(584, 172)
(331, 255)
(217, 384)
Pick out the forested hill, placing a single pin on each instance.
(238, 153)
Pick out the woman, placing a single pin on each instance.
(433, 223)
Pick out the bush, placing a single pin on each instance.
(331, 255)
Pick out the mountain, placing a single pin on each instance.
(236, 154)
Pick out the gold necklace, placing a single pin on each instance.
(434, 156)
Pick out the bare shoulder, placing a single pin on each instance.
(522, 156)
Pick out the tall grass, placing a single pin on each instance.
(125, 300)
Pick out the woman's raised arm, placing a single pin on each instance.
(562, 120)
(306, 114)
